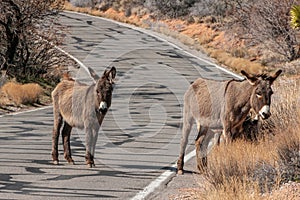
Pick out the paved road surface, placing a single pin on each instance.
(140, 136)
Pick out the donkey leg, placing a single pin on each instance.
(186, 129)
(227, 129)
(201, 156)
(227, 135)
(55, 135)
(94, 142)
(89, 157)
(66, 132)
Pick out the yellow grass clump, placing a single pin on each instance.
(237, 64)
(18, 94)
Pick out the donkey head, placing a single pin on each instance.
(104, 89)
(260, 100)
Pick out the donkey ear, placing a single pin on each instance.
(274, 77)
(251, 79)
(110, 74)
(93, 74)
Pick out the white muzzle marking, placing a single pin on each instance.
(256, 117)
(265, 111)
(103, 105)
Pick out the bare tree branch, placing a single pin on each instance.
(268, 22)
(21, 23)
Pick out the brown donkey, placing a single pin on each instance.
(222, 107)
(83, 106)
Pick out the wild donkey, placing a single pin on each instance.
(79, 105)
(222, 106)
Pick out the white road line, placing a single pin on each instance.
(161, 179)
(26, 111)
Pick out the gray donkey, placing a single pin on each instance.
(222, 107)
(83, 106)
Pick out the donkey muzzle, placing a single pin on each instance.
(103, 107)
(265, 112)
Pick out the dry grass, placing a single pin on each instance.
(233, 189)
(109, 13)
(31, 93)
(235, 63)
(236, 170)
(285, 106)
(17, 94)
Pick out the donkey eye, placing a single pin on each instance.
(259, 95)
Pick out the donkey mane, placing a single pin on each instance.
(230, 81)
(263, 76)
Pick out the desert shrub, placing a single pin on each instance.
(199, 8)
(29, 30)
(289, 157)
(12, 92)
(170, 8)
(235, 170)
(18, 94)
(84, 3)
(119, 5)
(204, 8)
(266, 22)
(31, 93)
(266, 176)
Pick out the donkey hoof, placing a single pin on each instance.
(180, 172)
(55, 162)
(90, 165)
(71, 162)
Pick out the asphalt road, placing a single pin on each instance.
(140, 136)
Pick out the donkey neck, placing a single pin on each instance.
(239, 94)
(97, 101)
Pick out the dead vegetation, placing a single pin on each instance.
(16, 94)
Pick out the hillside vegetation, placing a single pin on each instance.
(240, 34)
